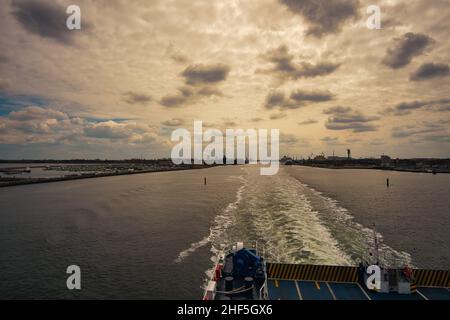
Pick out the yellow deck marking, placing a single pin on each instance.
(317, 286)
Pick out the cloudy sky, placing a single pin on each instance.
(138, 69)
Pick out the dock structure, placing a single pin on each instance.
(319, 282)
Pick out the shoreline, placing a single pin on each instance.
(28, 181)
(372, 168)
(93, 176)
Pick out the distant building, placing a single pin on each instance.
(385, 161)
(320, 158)
(285, 159)
(336, 158)
(349, 154)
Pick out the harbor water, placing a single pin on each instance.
(153, 236)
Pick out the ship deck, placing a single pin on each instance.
(325, 290)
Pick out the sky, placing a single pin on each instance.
(137, 70)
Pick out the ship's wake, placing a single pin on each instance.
(220, 224)
(296, 224)
(293, 223)
(277, 213)
(354, 238)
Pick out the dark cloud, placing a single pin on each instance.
(173, 100)
(348, 119)
(429, 71)
(406, 48)
(278, 99)
(324, 16)
(282, 59)
(176, 55)
(276, 116)
(405, 108)
(209, 91)
(442, 108)
(137, 98)
(297, 99)
(353, 140)
(229, 123)
(306, 122)
(179, 57)
(205, 74)
(183, 96)
(174, 122)
(355, 125)
(201, 82)
(439, 138)
(287, 138)
(46, 19)
(286, 68)
(428, 131)
(35, 112)
(275, 99)
(337, 109)
(412, 130)
(330, 140)
(188, 95)
(106, 130)
(313, 96)
(377, 142)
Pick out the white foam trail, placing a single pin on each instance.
(221, 222)
(361, 236)
(291, 229)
